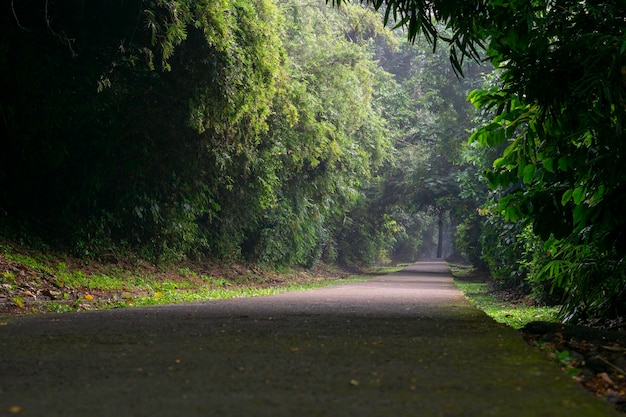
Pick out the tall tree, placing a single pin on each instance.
(430, 138)
(326, 137)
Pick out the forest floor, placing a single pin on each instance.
(594, 353)
(594, 356)
(33, 282)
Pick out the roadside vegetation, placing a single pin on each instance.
(288, 133)
(40, 282)
(513, 308)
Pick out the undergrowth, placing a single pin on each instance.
(38, 282)
(514, 312)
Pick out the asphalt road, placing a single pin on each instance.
(405, 344)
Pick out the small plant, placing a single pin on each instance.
(186, 272)
(18, 301)
(218, 282)
(7, 277)
(54, 307)
(568, 362)
(461, 271)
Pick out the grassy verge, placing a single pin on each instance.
(37, 282)
(211, 293)
(514, 313)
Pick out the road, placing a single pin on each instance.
(405, 344)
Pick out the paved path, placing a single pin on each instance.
(406, 344)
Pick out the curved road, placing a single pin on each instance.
(405, 344)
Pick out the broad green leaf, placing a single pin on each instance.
(548, 164)
(567, 196)
(529, 173)
(579, 215)
(579, 195)
(499, 162)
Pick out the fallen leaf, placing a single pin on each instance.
(354, 382)
(606, 378)
(88, 297)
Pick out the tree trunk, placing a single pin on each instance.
(440, 240)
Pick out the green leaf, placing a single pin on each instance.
(579, 215)
(567, 196)
(498, 163)
(512, 214)
(579, 195)
(529, 173)
(548, 164)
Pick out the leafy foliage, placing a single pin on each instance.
(134, 152)
(558, 112)
(209, 128)
(563, 148)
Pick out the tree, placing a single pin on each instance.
(565, 148)
(430, 138)
(189, 128)
(326, 137)
(126, 128)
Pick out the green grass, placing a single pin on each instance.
(513, 315)
(163, 295)
(173, 296)
(384, 270)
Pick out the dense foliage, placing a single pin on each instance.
(558, 111)
(254, 130)
(125, 129)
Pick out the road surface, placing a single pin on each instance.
(405, 344)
